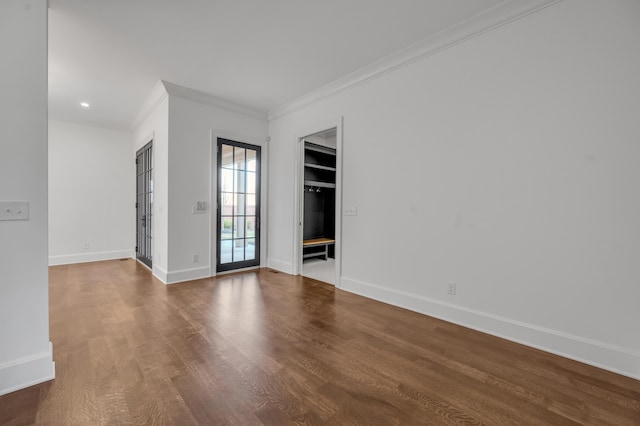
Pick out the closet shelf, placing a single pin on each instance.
(318, 148)
(319, 166)
(319, 184)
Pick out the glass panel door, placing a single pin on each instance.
(144, 203)
(238, 233)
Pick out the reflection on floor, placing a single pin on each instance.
(321, 270)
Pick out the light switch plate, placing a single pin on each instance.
(14, 210)
(199, 208)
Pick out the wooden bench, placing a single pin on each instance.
(317, 242)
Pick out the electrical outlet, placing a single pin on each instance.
(451, 289)
(195, 258)
(14, 210)
(86, 246)
(351, 211)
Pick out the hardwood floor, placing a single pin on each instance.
(268, 348)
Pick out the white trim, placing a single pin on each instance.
(339, 203)
(67, 259)
(280, 265)
(598, 354)
(155, 97)
(174, 277)
(298, 216)
(159, 273)
(213, 201)
(28, 371)
(208, 99)
(488, 20)
(238, 137)
(213, 191)
(298, 200)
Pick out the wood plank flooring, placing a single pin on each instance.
(268, 348)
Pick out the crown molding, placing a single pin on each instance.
(155, 97)
(502, 14)
(164, 89)
(207, 99)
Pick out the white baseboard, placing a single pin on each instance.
(27, 371)
(279, 265)
(174, 277)
(597, 354)
(160, 274)
(67, 259)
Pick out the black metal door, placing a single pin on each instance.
(144, 203)
(238, 230)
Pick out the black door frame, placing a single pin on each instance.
(144, 204)
(246, 263)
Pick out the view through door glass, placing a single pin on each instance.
(238, 236)
(144, 203)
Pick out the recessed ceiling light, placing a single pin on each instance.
(85, 104)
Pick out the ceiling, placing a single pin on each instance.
(256, 53)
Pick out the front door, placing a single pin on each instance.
(238, 230)
(144, 203)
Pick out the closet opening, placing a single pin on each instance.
(318, 199)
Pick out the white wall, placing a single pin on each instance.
(91, 194)
(190, 179)
(181, 121)
(507, 164)
(25, 350)
(154, 125)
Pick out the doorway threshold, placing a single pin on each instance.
(320, 269)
